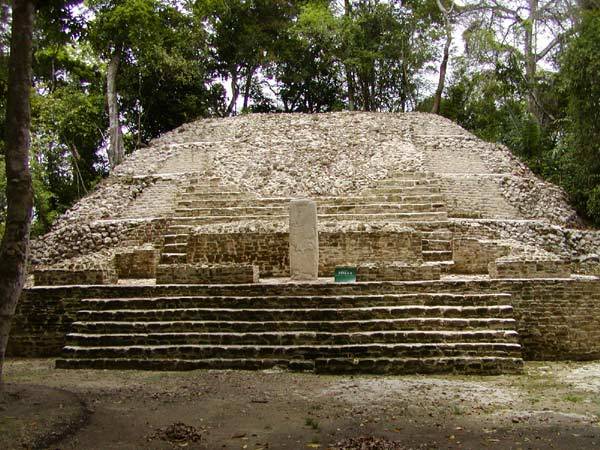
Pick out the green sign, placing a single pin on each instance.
(345, 274)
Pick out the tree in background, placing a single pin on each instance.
(306, 73)
(243, 36)
(14, 247)
(386, 47)
(579, 151)
(118, 32)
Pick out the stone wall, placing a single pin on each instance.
(66, 277)
(556, 319)
(136, 262)
(529, 268)
(201, 274)
(472, 256)
(80, 240)
(397, 272)
(565, 242)
(270, 251)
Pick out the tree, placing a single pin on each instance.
(14, 247)
(243, 36)
(580, 149)
(120, 28)
(520, 25)
(447, 13)
(385, 47)
(307, 69)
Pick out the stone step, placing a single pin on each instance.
(424, 226)
(400, 183)
(180, 238)
(468, 365)
(411, 175)
(408, 217)
(322, 209)
(333, 326)
(223, 190)
(219, 195)
(381, 207)
(437, 245)
(189, 201)
(397, 198)
(445, 266)
(173, 258)
(187, 351)
(184, 364)
(485, 365)
(297, 302)
(324, 287)
(207, 179)
(390, 217)
(403, 190)
(438, 234)
(297, 314)
(437, 255)
(289, 338)
(179, 247)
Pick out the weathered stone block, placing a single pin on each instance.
(304, 240)
(397, 272)
(529, 268)
(474, 255)
(67, 277)
(206, 274)
(137, 262)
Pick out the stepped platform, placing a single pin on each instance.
(320, 327)
(464, 261)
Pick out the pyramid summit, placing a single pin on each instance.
(464, 259)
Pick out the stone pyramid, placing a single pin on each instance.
(464, 260)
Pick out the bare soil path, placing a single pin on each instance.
(552, 405)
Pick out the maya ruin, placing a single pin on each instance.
(465, 261)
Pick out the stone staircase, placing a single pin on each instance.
(372, 328)
(411, 198)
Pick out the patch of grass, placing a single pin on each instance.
(310, 422)
(573, 398)
(457, 411)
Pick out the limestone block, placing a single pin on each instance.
(206, 274)
(137, 262)
(473, 256)
(394, 271)
(529, 268)
(67, 277)
(304, 240)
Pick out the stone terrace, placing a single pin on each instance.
(410, 199)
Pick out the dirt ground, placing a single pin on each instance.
(552, 405)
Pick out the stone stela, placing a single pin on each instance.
(304, 240)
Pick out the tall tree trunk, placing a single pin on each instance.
(437, 99)
(14, 247)
(116, 148)
(247, 86)
(235, 93)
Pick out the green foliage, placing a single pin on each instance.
(67, 129)
(307, 67)
(580, 73)
(387, 46)
(166, 85)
